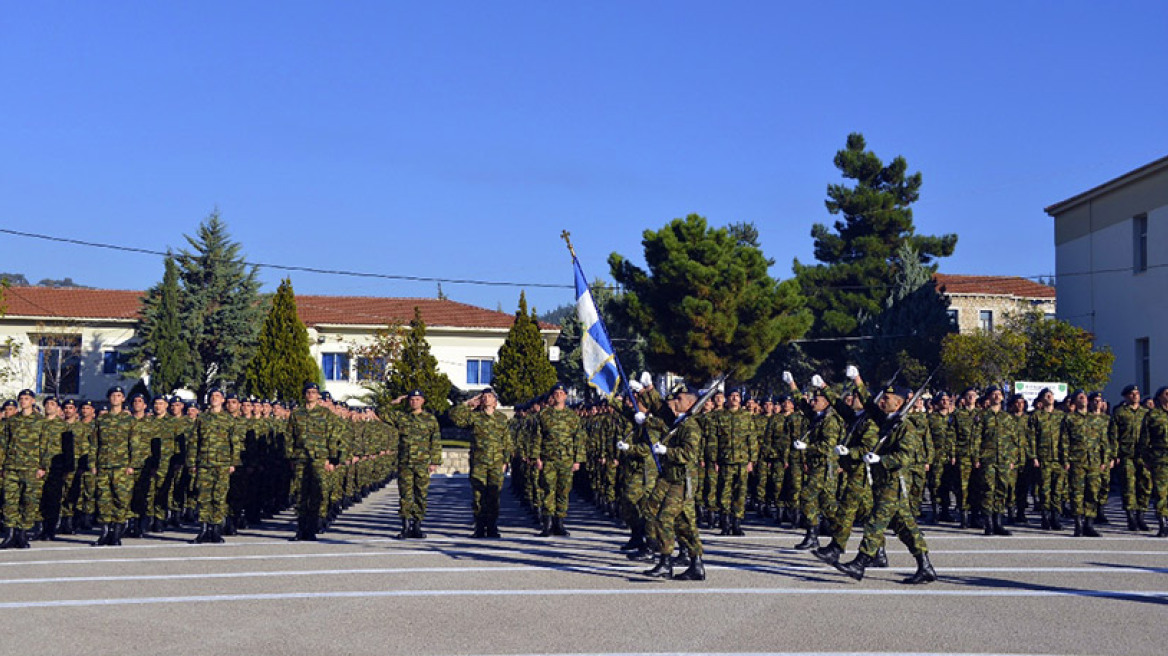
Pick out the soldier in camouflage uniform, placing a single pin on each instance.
(52, 485)
(24, 461)
(708, 493)
(144, 463)
(183, 429)
(737, 452)
(1024, 444)
(997, 459)
(825, 431)
(1045, 428)
(87, 497)
(75, 441)
(310, 448)
(1084, 456)
(214, 458)
(557, 450)
(918, 474)
(900, 445)
(490, 452)
(1097, 411)
(1152, 449)
(1135, 479)
(772, 460)
(114, 467)
(162, 453)
(795, 429)
(419, 454)
(941, 431)
(965, 438)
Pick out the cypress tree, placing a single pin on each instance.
(161, 335)
(524, 370)
(417, 368)
(282, 361)
(221, 305)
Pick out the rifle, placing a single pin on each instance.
(852, 428)
(897, 416)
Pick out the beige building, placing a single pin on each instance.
(72, 342)
(1111, 264)
(981, 302)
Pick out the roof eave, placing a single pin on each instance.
(1107, 187)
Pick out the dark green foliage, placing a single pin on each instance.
(283, 361)
(1060, 351)
(523, 370)
(707, 304)
(416, 368)
(160, 331)
(14, 279)
(858, 254)
(220, 305)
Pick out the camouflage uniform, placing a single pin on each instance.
(419, 447)
(1152, 449)
(216, 452)
(941, 431)
(855, 501)
(737, 448)
(24, 454)
(490, 450)
(559, 444)
(75, 448)
(673, 515)
(1135, 478)
(115, 453)
(1046, 436)
(773, 451)
(820, 462)
(1084, 449)
(901, 445)
(310, 446)
(997, 451)
(966, 438)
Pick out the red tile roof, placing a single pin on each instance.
(992, 286)
(73, 303)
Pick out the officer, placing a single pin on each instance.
(490, 452)
(419, 454)
(557, 450)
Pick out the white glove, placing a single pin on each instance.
(622, 445)
(635, 386)
(659, 449)
(788, 378)
(852, 372)
(817, 381)
(639, 417)
(871, 458)
(646, 379)
(800, 445)
(841, 450)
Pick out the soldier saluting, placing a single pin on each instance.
(490, 450)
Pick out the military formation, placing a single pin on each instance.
(821, 459)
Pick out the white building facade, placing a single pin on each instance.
(72, 342)
(1111, 269)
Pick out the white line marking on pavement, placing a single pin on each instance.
(1155, 595)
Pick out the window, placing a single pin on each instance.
(479, 372)
(1049, 316)
(952, 317)
(985, 320)
(370, 369)
(1144, 364)
(335, 366)
(1140, 244)
(114, 362)
(58, 364)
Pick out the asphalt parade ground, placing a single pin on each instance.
(361, 591)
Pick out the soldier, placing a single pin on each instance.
(825, 432)
(772, 459)
(114, 467)
(87, 498)
(1135, 479)
(177, 476)
(1152, 449)
(1024, 446)
(737, 451)
(557, 450)
(75, 442)
(48, 511)
(965, 429)
(214, 459)
(1044, 427)
(1097, 412)
(941, 430)
(900, 445)
(490, 452)
(419, 454)
(24, 461)
(162, 449)
(996, 450)
(309, 448)
(1084, 457)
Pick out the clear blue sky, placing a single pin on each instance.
(457, 140)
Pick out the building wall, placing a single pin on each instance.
(969, 307)
(21, 366)
(1115, 303)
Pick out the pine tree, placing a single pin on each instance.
(418, 369)
(857, 260)
(707, 304)
(221, 306)
(283, 361)
(523, 370)
(160, 331)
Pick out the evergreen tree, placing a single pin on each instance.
(523, 370)
(161, 343)
(418, 369)
(858, 259)
(707, 304)
(282, 362)
(221, 306)
(1059, 351)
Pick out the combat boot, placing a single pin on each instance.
(1089, 528)
(416, 529)
(945, 515)
(229, 526)
(172, 519)
(963, 522)
(188, 516)
(1045, 521)
(797, 520)
(1163, 527)
(999, 528)
(37, 532)
(493, 529)
(48, 530)
(636, 540)
(736, 526)
(21, 539)
(405, 529)
(989, 524)
(558, 527)
(1020, 517)
(766, 511)
(682, 559)
(880, 559)
(1056, 523)
(856, 567)
(1131, 520)
(1078, 526)
(119, 529)
(480, 531)
(1101, 518)
(9, 538)
(131, 529)
(829, 554)
(935, 516)
(103, 539)
(925, 572)
(216, 535)
(85, 521)
(724, 524)
(663, 569)
(695, 572)
(810, 540)
(202, 536)
(644, 554)
(546, 526)
(1140, 523)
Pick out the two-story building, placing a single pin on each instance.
(981, 302)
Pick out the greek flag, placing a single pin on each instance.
(599, 359)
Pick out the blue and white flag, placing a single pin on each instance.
(600, 367)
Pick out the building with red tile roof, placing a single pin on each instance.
(979, 302)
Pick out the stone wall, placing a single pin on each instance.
(969, 307)
(455, 461)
